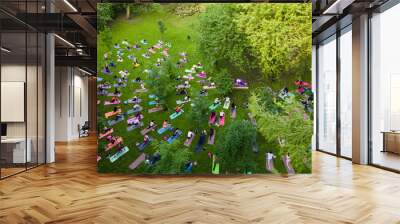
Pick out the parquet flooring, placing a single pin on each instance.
(71, 191)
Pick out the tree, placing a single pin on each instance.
(105, 14)
(161, 27)
(173, 158)
(220, 44)
(199, 112)
(224, 82)
(106, 37)
(235, 147)
(289, 127)
(160, 84)
(279, 36)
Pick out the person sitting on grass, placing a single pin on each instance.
(186, 99)
(151, 124)
(178, 109)
(107, 69)
(165, 124)
(190, 134)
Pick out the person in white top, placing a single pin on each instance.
(190, 134)
(221, 114)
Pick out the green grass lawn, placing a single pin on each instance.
(145, 26)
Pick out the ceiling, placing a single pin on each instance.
(74, 22)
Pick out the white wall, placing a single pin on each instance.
(71, 102)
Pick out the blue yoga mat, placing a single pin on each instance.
(113, 122)
(162, 130)
(173, 137)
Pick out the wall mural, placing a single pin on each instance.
(204, 88)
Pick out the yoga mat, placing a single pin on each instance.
(117, 142)
(147, 130)
(155, 109)
(175, 115)
(115, 121)
(134, 110)
(214, 106)
(131, 101)
(188, 142)
(212, 138)
(137, 162)
(133, 127)
(162, 130)
(143, 145)
(173, 137)
(151, 103)
(106, 134)
(120, 153)
(226, 104)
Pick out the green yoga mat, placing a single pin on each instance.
(214, 106)
(175, 115)
(215, 169)
(120, 153)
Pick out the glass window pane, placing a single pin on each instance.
(327, 95)
(346, 93)
(13, 85)
(385, 89)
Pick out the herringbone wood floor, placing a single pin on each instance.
(70, 191)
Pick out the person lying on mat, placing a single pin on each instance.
(213, 114)
(178, 64)
(233, 106)
(151, 124)
(178, 109)
(106, 129)
(114, 99)
(182, 92)
(116, 91)
(136, 106)
(142, 86)
(221, 114)
(119, 116)
(135, 121)
(136, 46)
(116, 45)
(115, 109)
(165, 124)
(190, 134)
(212, 131)
(146, 139)
(176, 132)
(138, 115)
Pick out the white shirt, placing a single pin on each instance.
(190, 134)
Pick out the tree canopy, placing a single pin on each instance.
(287, 125)
(173, 158)
(272, 38)
(235, 147)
